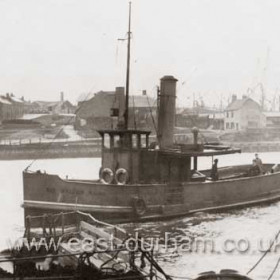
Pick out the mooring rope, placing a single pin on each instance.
(265, 253)
(102, 223)
(274, 269)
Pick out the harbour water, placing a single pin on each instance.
(234, 239)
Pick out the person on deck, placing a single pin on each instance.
(214, 171)
(254, 170)
(259, 163)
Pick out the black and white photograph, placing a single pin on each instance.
(139, 139)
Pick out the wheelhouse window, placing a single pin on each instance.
(126, 140)
(135, 141)
(107, 141)
(117, 141)
(143, 141)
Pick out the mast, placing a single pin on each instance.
(127, 71)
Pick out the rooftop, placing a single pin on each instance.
(4, 100)
(238, 104)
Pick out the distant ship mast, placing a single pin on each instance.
(127, 71)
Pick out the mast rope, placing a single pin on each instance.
(265, 253)
(151, 113)
(134, 117)
(180, 277)
(274, 269)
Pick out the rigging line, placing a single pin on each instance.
(194, 121)
(180, 277)
(117, 53)
(134, 117)
(58, 133)
(153, 119)
(274, 269)
(265, 253)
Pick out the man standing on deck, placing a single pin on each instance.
(254, 170)
(214, 172)
(259, 163)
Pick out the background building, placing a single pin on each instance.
(99, 110)
(53, 107)
(11, 107)
(243, 114)
(201, 117)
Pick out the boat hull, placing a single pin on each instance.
(45, 193)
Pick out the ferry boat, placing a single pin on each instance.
(141, 181)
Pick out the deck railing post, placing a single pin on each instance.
(53, 223)
(44, 224)
(14, 268)
(50, 220)
(62, 222)
(28, 225)
(151, 268)
(78, 221)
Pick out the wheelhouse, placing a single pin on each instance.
(121, 155)
(128, 157)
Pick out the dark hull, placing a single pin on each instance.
(44, 193)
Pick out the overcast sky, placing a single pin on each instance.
(214, 47)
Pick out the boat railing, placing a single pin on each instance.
(50, 225)
(61, 224)
(57, 225)
(117, 231)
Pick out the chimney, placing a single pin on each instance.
(144, 92)
(234, 98)
(166, 115)
(62, 97)
(244, 96)
(120, 101)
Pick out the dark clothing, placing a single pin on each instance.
(254, 171)
(214, 172)
(260, 165)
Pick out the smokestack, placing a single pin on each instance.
(234, 98)
(62, 97)
(120, 102)
(166, 115)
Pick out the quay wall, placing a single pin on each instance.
(47, 150)
(79, 149)
(252, 147)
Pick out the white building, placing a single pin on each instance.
(242, 114)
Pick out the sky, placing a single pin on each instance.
(215, 48)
